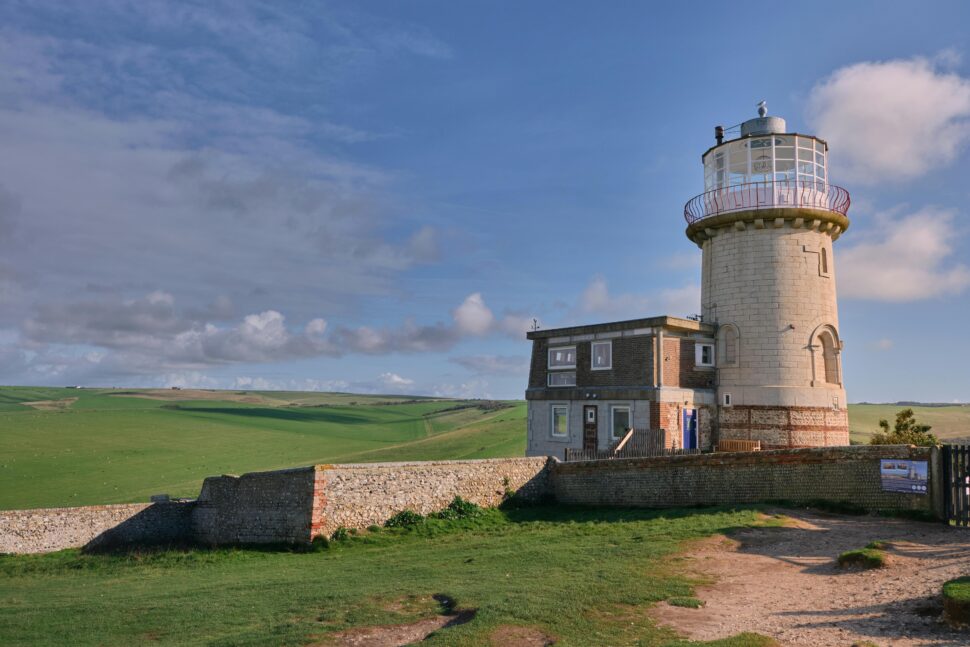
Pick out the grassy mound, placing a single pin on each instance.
(956, 601)
(688, 602)
(872, 556)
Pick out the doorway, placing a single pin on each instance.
(590, 428)
(690, 429)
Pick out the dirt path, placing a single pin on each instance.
(783, 582)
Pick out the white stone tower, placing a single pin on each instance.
(766, 224)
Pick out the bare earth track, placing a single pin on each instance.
(783, 583)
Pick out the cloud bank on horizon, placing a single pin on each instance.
(232, 195)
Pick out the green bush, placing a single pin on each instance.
(906, 431)
(404, 519)
(340, 534)
(319, 544)
(373, 528)
(459, 508)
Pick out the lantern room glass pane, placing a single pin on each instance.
(782, 165)
(806, 155)
(819, 147)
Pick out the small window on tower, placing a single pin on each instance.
(823, 262)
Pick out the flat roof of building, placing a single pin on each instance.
(663, 321)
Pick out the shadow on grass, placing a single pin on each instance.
(279, 413)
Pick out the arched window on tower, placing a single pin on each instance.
(830, 357)
(729, 343)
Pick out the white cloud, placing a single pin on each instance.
(597, 299)
(393, 380)
(904, 259)
(891, 120)
(473, 317)
(515, 325)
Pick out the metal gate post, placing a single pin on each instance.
(947, 484)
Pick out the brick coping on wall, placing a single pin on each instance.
(340, 466)
(770, 456)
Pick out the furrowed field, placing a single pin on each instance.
(64, 447)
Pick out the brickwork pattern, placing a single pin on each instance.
(632, 363)
(836, 474)
(45, 530)
(778, 427)
(680, 365)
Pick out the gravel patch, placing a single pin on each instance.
(785, 583)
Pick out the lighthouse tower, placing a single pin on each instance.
(766, 224)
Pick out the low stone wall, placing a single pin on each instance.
(356, 496)
(834, 474)
(49, 529)
(256, 508)
(293, 506)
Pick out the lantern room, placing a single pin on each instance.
(769, 157)
(766, 167)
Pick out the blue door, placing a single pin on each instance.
(690, 429)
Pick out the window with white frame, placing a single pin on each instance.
(562, 357)
(727, 400)
(620, 421)
(602, 355)
(560, 420)
(562, 378)
(704, 354)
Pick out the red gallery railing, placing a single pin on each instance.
(807, 194)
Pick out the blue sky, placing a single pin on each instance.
(379, 197)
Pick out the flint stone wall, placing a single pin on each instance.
(357, 496)
(46, 530)
(294, 506)
(255, 508)
(802, 476)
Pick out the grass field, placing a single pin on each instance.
(949, 422)
(63, 447)
(576, 575)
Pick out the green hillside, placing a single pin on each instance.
(948, 422)
(63, 447)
